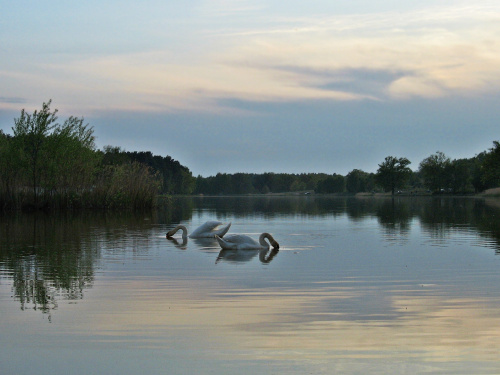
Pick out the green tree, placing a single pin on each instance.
(58, 161)
(30, 135)
(393, 173)
(331, 184)
(358, 181)
(72, 162)
(477, 172)
(436, 171)
(9, 171)
(114, 156)
(461, 172)
(298, 185)
(176, 178)
(490, 166)
(242, 183)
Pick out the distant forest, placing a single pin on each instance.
(45, 164)
(436, 174)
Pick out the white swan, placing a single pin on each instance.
(207, 230)
(243, 242)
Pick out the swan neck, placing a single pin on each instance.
(262, 239)
(184, 230)
(177, 228)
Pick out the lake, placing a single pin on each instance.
(359, 285)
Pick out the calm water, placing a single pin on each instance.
(358, 286)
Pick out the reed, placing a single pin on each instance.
(129, 185)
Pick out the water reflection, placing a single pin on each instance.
(47, 256)
(337, 296)
(55, 256)
(241, 256)
(182, 244)
(201, 243)
(439, 216)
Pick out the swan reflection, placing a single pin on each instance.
(182, 244)
(201, 243)
(244, 242)
(240, 256)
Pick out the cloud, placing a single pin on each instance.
(427, 53)
(441, 53)
(9, 100)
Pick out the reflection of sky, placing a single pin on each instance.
(342, 294)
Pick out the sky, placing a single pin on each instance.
(261, 86)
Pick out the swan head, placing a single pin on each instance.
(271, 239)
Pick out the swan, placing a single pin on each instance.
(207, 230)
(243, 242)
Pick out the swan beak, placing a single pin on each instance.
(275, 245)
(169, 234)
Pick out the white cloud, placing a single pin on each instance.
(434, 51)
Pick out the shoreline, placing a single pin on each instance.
(490, 193)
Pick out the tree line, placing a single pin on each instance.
(436, 174)
(48, 164)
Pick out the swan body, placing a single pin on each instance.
(243, 242)
(208, 230)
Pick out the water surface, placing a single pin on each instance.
(358, 286)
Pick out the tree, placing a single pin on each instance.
(331, 184)
(358, 181)
(393, 173)
(9, 171)
(242, 183)
(30, 134)
(436, 171)
(477, 172)
(461, 172)
(58, 161)
(490, 166)
(72, 161)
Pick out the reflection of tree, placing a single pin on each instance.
(443, 215)
(48, 257)
(174, 210)
(490, 222)
(394, 216)
(51, 257)
(438, 215)
(269, 206)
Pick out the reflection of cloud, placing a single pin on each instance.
(325, 322)
(227, 8)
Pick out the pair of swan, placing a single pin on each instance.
(231, 242)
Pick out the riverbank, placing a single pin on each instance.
(490, 193)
